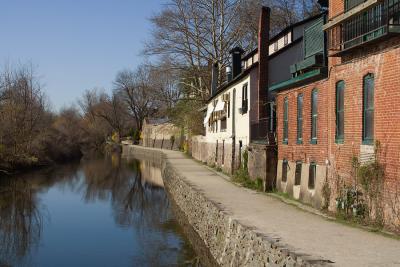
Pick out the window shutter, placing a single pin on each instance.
(314, 39)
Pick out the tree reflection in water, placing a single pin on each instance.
(21, 213)
(133, 188)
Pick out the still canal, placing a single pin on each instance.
(103, 212)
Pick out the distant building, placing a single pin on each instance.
(160, 133)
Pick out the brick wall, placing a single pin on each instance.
(382, 60)
(336, 7)
(305, 152)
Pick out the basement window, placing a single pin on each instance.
(297, 178)
(284, 170)
(312, 175)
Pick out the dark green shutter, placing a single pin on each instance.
(285, 120)
(314, 115)
(300, 119)
(368, 109)
(340, 111)
(314, 39)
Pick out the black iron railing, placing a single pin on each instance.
(373, 23)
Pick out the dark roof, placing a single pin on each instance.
(253, 52)
(157, 121)
(290, 27)
(233, 81)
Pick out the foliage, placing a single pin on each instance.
(245, 156)
(350, 203)
(135, 134)
(186, 115)
(372, 181)
(115, 137)
(242, 177)
(365, 203)
(326, 194)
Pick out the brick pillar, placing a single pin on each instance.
(263, 47)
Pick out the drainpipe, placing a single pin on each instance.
(233, 131)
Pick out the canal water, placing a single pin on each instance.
(103, 212)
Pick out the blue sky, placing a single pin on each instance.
(75, 44)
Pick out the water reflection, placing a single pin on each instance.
(39, 210)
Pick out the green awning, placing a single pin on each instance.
(302, 79)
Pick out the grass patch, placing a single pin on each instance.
(242, 177)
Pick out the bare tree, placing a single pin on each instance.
(137, 90)
(23, 111)
(196, 33)
(166, 83)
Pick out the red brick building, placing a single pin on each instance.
(328, 127)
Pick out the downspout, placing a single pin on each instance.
(233, 132)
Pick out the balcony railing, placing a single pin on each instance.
(371, 24)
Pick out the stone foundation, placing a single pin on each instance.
(302, 191)
(230, 243)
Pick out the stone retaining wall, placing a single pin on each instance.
(229, 242)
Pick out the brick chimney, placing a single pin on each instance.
(263, 47)
(236, 54)
(214, 78)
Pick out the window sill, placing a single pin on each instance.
(368, 142)
(339, 141)
(314, 142)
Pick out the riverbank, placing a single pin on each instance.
(242, 227)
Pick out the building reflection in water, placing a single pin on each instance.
(133, 189)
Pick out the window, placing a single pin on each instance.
(223, 124)
(276, 46)
(368, 109)
(285, 120)
(297, 178)
(311, 175)
(286, 39)
(284, 170)
(245, 101)
(340, 112)
(314, 115)
(300, 119)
